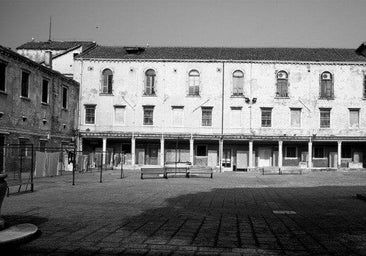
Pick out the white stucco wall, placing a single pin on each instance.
(260, 82)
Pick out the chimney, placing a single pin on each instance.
(48, 59)
(361, 50)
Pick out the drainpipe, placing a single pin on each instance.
(221, 146)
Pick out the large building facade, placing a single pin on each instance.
(38, 105)
(229, 108)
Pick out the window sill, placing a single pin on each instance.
(149, 95)
(65, 109)
(237, 96)
(3, 92)
(25, 98)
(45, 104)
(106, 94)
(280, 98)
(325, 128)
(150, 125)
(291, 158)
(193, 96)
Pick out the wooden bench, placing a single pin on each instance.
(177, 170)
(200, 170)
(153, 171)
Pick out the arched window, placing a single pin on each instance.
(194, 83)
(107, 76)
(326, 85)
(238, 83)
(150, 82)
(282, 84)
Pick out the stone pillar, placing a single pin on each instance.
(104, 150)
(221, 152)
(133, 151)
(251, 154)
(310, 154)
(339, 156)
(280, 156)
(191, 151)
(162, 152)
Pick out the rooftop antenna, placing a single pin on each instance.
(49, 31)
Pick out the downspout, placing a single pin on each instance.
(79, 103)
(222, 116)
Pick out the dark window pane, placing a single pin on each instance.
(2, 76)
(89, 114)
(25, 84)
(64, 97)
(45, 91)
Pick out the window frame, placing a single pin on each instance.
(93, 107)
(107, 82)
(263, 111)
(24, 83)
(124, 114)
(291, 120)
(150, 83)
(182, 121)
(322, 119)
(48, 91)
(65, 99)
(238, 91)
(291, 157)
(194, 77)
(3, 77)
(148, 119)
(324, 84)
(282, 85)
(206, 120)
(322, 150)
(358, 118)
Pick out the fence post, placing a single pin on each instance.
(73, 167)
(101, 167)
(32, 167)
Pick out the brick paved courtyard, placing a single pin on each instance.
(232, 214)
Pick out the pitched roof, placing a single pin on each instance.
(54, 45)
(206, 53)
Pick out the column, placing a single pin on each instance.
(251, 154)
(162, 152)
(191, 152)
(339, 156)
(104, 150)
(79, 143)
(310, 154)
(280, 157)
(133, 150)
(221, 152)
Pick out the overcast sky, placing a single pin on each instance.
(228, 23)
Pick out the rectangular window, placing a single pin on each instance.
(148, 115)
(25, 84)
(354, 118)
(325, 118)
(235, 119)
(24, 147)
(2, 76)
(291, 152)
(346, 152)
(206, 116)
(44, 91)
(201, 150)
(318, 152)
(266, 117)
(42, 145)
(119, 114)
(177, 116)
(64, 97)
(282, 88)
(89, 114)
(295, 117)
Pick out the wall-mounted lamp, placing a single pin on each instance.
(308, 67)
(64, 125)
(44, 120)
(254, 100)
(1, 114)
(24, 118)
(175, 70)
(131, 69)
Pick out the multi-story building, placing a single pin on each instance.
(58, 55)
(38, 105)
(233, 108)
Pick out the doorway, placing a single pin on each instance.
(264, 157)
